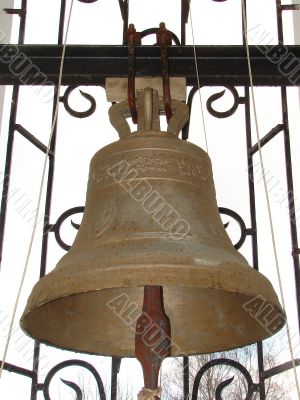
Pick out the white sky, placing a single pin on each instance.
(78, 140)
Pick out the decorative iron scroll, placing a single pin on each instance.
(56, 227)
(224, 114)
(244, 231)
(251, 387)
(214, 97)
(78, 114)
(74, 386)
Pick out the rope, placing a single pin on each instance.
(39, 200)
(149, 394)
(198, 78)
(267, 196)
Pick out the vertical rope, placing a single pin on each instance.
(270, 216)
(39, 200)
(198, 78)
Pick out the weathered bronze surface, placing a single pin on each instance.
(151, 218)
(91, 301)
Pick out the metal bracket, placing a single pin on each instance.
(164, 39)
(133, 39)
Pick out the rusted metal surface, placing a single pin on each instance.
(164, 39)
(133, 39)
(153, 335)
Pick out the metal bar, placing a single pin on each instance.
(8, 163)
(133, 38)
(279, 9)
(121, 8)
(22, 28)
(164, 39)
(10, 140)
(47, 210)
(6, 22)
(62, 17)
(7, 168)
(18, 370)
(261, 368)
(124, 7)
(279, 369)
(266, 139)
(186, 378)
(14, 11)
(35, 370)
(289, 174)
(290, 7)
(32, 139)
(185, 9)
(89, 65)
(115, 369)
(252, 202)
(291, 199)
(126, 16)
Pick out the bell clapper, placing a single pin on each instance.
(152, 338)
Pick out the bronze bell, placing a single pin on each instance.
(151, 218)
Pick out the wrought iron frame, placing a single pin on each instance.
(90, 65)
(220, 65)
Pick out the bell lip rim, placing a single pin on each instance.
(178, 268)
(26, 312)
(140, 284)
(278, 305)
(47, 343)
(51, 344)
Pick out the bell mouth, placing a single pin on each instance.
(102, 322)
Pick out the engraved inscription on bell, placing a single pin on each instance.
(163, 164)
